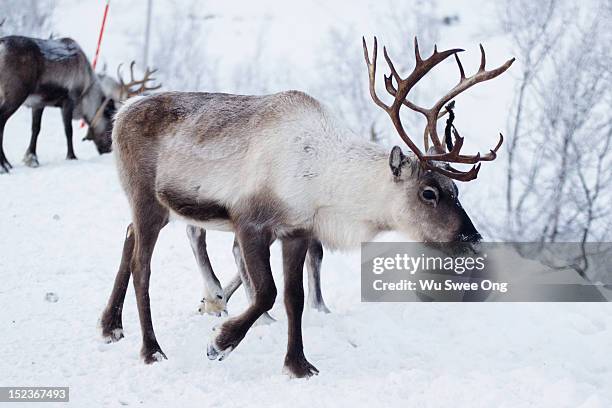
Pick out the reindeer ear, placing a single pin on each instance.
(396, 160)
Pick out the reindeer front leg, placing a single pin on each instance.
(294, 254)
(254, 243)
(243, 278)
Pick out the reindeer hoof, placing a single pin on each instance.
(320, 307)
(30, 160)
(220, 350)
(71, 157)
(113, 335)
(213, 353)
(299, 367)
(5, 166)
(153, 356)
(216, 308)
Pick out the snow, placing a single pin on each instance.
(62, 228)
(61, 233)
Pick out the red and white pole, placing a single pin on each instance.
(95, 60)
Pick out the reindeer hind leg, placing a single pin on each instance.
(213, 300)
(30, 158)
(111, 322)
(314, 259)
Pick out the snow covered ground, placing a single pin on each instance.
(61, 231)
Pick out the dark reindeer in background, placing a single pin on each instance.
(281, 167)
(53, 72)
(56, 72)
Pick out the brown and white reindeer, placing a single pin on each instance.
(51, 72)
(280, 167)
(215, 297)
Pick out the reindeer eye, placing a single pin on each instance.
(429, 194)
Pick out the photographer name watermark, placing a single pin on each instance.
(408, 271)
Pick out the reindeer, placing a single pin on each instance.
(215, 298)
(281, 167)
(54, 72)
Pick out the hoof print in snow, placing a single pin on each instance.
(51, 297)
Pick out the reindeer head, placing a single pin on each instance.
(429, 207)
(115, 93)
(101, 126)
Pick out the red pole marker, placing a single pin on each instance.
(95, 60)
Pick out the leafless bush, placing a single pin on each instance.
(562, 126)
(26, 17)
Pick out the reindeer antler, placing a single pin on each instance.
(127, 90)
(433, 114)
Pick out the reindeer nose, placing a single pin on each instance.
(107, 148)
(473, 238)
(467, 232)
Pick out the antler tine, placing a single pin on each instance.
(119, 76)
(372, 71)
(483, 59)
(461, 71)
(417, 54)
(391, 67)
(132, 71)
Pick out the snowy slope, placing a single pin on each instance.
(61, 231)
